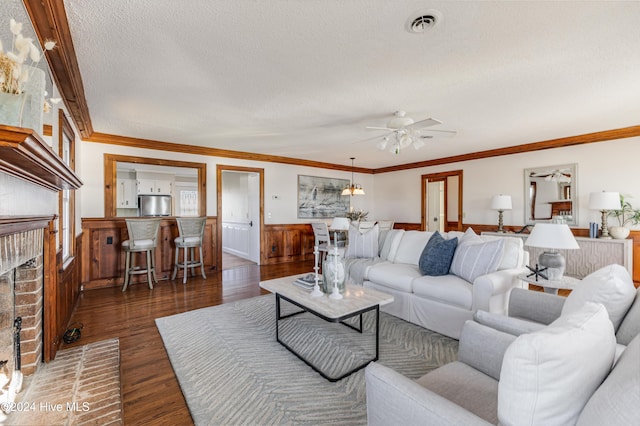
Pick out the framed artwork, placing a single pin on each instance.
(320, 197)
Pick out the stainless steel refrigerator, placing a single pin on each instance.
(154, 205)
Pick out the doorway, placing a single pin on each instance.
(442, 201)
(240, 206)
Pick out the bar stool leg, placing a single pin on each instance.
(186, 264)
(202, 263)
(153, 265)
(175, 264)
(149, 268)
(127, 262)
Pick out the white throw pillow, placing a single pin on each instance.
(473, 259)
(612, 286)
(411, 246)
(513, 248)
(391, 243)
(362, 244)
(548, 376)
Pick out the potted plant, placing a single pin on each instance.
(626, 216)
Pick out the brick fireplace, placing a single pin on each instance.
(21, 295)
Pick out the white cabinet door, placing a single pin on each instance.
(163, 187)
(127, 194)
(120, 193)
(130, 194)
(146, 186)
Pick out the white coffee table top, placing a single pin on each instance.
(355, 297)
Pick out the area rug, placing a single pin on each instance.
(232, 371)
(80, 387)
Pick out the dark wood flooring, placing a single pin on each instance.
(150, 390)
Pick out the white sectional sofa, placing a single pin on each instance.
(439, 303)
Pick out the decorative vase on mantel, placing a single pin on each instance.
(25, 109)
(619, 232)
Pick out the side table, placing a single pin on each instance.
(550, 286)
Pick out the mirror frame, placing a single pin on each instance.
(573, 188)
(111, 179)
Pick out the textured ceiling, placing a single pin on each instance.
(303, 79)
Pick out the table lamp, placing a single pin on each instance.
(604, 201)
(553, 236)
(501, 203)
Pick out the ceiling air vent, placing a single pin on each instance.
(422, 23)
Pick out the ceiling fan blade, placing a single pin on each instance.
(430, 133)
(380, 128)
(424, 123)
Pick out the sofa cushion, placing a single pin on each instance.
(362, 243)
(391, 243)
(548, 376)
(473, 259)
(617, 400)
(394, 275)
(411, 246)
(630, 326)
(437, 255)
(612, 286)
(513, 251)
(466, 387)
(449, 289)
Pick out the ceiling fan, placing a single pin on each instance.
(556, 175)
(403, 131)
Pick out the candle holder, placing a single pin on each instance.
(333, 274)
(316, 288)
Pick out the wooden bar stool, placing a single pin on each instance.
(143, 238)
(191, 231)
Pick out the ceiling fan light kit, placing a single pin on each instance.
(405, 132)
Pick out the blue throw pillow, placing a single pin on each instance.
(437, 255)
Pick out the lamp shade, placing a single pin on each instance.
(501, 202)
(340, 223)
(604, 200)
(552, 236)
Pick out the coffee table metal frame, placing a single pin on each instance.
(340, 319)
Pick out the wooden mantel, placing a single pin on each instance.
(25, 155)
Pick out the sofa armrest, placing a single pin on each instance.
(535, 305)
(395, 399)
(513, 326)
(483, 348)
(498, 283)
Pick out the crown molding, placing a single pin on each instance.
(49, 21)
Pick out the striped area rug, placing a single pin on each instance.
(232, 370)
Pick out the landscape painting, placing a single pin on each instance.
(320, 197)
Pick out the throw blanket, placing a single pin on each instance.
(355, 268)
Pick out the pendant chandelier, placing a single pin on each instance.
(353, 189)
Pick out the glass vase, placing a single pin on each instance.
(333, 272)
(25, 109)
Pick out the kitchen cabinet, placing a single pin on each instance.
(154, 186)
(127, 194)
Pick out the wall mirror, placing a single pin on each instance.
(127, 178)
(550, 193)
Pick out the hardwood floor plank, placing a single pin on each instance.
(150, 391)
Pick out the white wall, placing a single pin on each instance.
(235, 197)
(611, 166)
(281, 181)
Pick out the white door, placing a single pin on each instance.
(435, 206)
(254, 217)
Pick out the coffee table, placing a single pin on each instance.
(356, 302)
